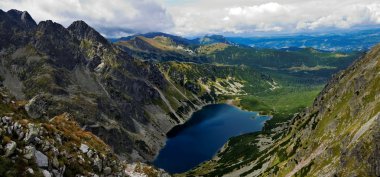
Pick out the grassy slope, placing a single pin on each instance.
(299, 73)
(338, 135)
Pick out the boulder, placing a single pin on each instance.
(46, 146)
(10, 148)
(30, 171)
(41, 159)
(81, 159)
(6, 120)
(20, 135)
(46, 173)
(107, 170)
(37, 106)
(97, 163)
(57, 173)
(84, 148)
(31, 133)
(90, 153)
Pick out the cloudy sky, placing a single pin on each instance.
(198, 17)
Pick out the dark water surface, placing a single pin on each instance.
(204, 134)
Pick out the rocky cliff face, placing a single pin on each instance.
(127, 102)
(337, 136)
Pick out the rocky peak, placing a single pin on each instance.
(49, 26)
(56, 41)
(2, 14)
(13, 30)
(82, 31)
(23, 18)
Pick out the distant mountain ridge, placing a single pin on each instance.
(177, 39)
(357, 40)
(207, 39)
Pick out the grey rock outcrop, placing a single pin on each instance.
(37, 106)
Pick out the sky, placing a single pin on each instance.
(115, 18)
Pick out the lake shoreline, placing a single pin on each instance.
(204, 134)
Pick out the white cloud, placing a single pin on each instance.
(346, 17)
(197, 17)
(251, 11)
(110, 17)
(249, 17)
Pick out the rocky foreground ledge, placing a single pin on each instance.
(56, 147)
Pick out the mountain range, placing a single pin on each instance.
(342, 41)
(75, 103)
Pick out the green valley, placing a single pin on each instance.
(293, 76)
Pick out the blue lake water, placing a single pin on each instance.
(204, 134)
